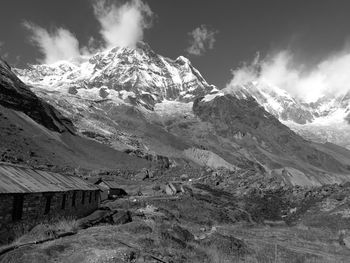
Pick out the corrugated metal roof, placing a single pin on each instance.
(101, 187)
(16, 179)
(111, 184)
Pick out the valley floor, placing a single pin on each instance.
(203, 224)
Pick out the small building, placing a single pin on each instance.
(28, 197)
(103, 192)
(110, 189)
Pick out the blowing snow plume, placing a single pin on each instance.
(329, 77)
(122, 25)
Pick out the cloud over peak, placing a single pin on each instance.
(59, 44)
(122, 25)
(3, 54)
(202, 38)
(329, 77)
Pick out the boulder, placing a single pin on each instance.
(184, 177)
(174, 188)
(225, 244)
(94, 218)
(141, 176)
(182, 233)
(121, 217)
(156, 187)
(169, 190)
(344, 238)
(346, 242)
(150, 174)
(103, 93)
(178, 236)
(72, 90)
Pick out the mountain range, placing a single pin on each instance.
(132, 101)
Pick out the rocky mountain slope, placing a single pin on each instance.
(273, 145)
(145, 104)
(35, 133)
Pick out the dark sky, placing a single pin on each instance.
(310, 28)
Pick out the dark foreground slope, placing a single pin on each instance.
(34, 132)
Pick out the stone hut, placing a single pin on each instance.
(110, 189)
(28, 197)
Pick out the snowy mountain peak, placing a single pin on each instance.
(143, 74)
(327, 119)
(287, 108)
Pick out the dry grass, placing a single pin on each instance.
(44, 231)
(66, 225)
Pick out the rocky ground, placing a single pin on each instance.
(206, 215)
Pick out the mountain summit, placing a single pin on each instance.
(135, 75)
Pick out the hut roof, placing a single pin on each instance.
(17, 179)
(109, 183)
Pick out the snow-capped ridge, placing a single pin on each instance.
(327, 119)
(275, 100)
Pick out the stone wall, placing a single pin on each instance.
(34, 210)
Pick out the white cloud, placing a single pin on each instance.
(329, 77)
(202, 39)
(60, 44)
(123, 25)
(3, 55)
